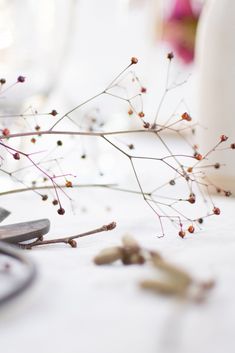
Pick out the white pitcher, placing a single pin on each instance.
(215, 62)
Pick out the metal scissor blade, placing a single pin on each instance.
(19, 232)
(3, 214)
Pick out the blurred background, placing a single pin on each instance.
(74, 47)
(69, 50)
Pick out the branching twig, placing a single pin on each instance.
(68, 240)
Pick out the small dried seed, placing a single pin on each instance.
(109, 255)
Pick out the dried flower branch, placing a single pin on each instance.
(188, 168)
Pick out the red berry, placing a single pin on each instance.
(16, 156)
(232, 146)
(198, 156)
(44, 197)
(68, 184)
(192, 198)
(2, 81)
(141, 114)
(181, 233)
(55, 202)
(53, 112)
(21, 79)
(143, 89)
(6, 132)
(186, 117)
(134, 60)
(191, 229)
(33, 140)
(227, 193)
(216, 211)
(61, 211)
(130, 112)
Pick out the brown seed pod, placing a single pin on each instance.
(155, 256)
(130, 245)
(133, 259)
(109, 255)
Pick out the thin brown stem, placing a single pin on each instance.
(68, 240)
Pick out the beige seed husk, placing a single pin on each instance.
(166, 288)
(177, 275)
(108, 255)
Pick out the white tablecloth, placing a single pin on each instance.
(76, 306)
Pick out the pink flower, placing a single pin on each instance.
(180, 29)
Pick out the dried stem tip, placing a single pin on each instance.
(170, 55)
(223, 138)
(110, 226)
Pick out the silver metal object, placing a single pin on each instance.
(3, 214)
(15, 234)
(22, 285)
(19, 232)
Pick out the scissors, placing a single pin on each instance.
(15, 234)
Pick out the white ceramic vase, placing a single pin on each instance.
(215, 60)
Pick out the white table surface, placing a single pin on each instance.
(76, 306)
